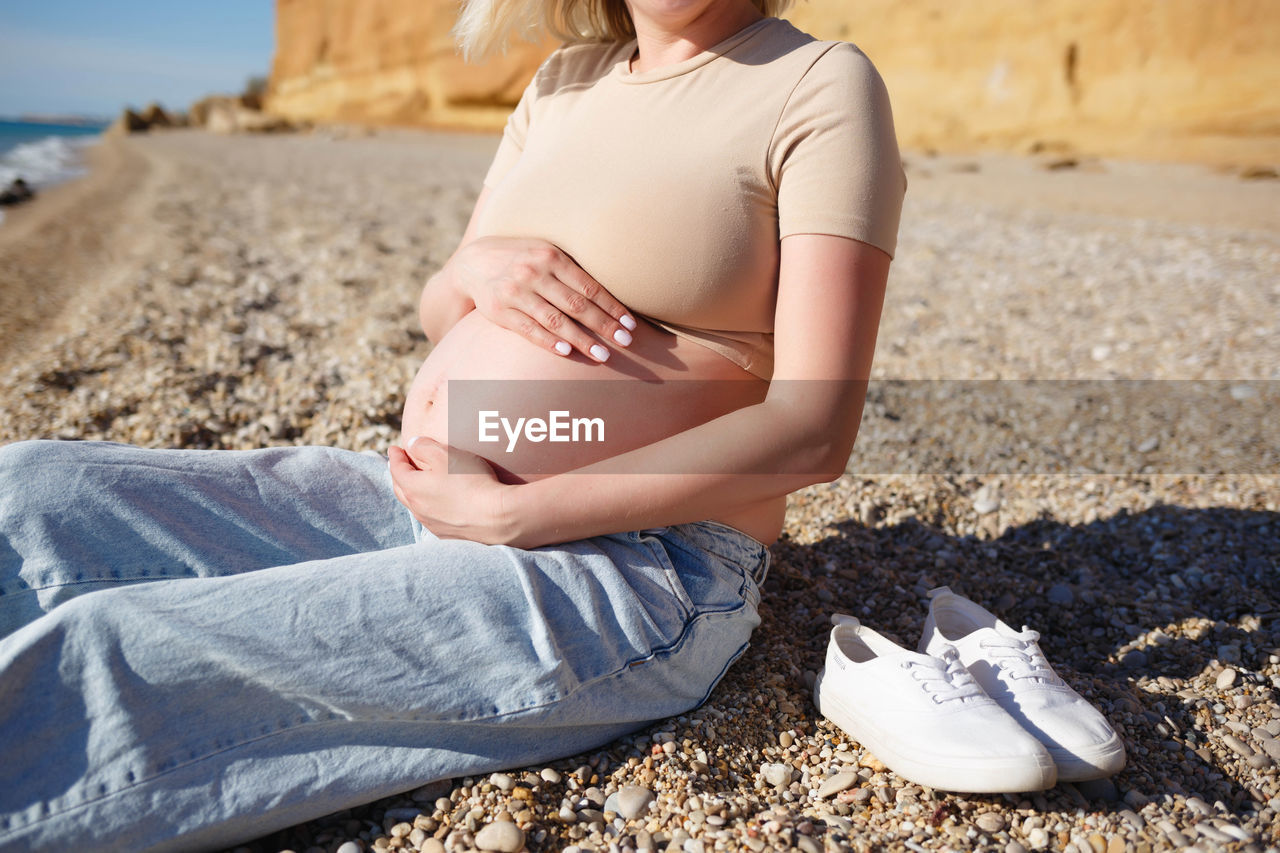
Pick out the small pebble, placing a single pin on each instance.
(630, 802)
(989, 822)
(837, 822)
(857, 796)
(1237, 746)
(777, 775)
(985, 503)
(1236, 832)
(1226, 678)
(1061, 595)
(1134, 659)
(1212, 833)
(501, 837)
(842, 781)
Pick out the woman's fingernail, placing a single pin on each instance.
(599, 352)
(628, 321)
(414, 441)
(563, 348)
(623, 337)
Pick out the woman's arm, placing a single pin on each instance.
(830, 294)
(528, 286)
(442, 303)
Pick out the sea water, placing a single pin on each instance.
(43, 154)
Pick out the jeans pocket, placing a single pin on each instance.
(653, 540)
(702, 581)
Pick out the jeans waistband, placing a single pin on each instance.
(728, 543)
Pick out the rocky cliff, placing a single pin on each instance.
(1151, 79)
(389, 62)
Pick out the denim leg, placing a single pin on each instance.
(196, 713)
(81, 516)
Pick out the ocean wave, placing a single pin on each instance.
(46, 161)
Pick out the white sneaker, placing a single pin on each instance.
(1013, 671)
(925, 717)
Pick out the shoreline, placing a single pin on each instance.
(68, 239)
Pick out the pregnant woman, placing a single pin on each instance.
(681, 247)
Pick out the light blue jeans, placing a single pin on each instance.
(201, 647)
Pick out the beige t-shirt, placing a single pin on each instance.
(674, 187)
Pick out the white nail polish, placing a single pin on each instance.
(623, 337)
(599, 353)
(563, 348)
(628, 321)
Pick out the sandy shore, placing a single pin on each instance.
(83, 231)
(203, 291)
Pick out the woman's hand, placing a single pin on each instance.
(533, 288)
(455, 494)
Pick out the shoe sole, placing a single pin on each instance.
(996, 776)
(1097, 763)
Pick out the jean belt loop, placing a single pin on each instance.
(762, 569)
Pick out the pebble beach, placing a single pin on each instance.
(210, 291)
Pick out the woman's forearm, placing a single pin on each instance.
(444, 302)
(801, 434)
(442, 305)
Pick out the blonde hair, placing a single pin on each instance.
(487, 25)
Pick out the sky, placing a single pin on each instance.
(95, 57)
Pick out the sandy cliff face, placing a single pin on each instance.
(1177, 79)
(389, 62)
(1153, 79)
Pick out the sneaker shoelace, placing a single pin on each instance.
(1020, 656)
(944, 678)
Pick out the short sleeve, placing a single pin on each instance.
(834, 156)
(514, 134)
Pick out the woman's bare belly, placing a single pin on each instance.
(481, 380)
